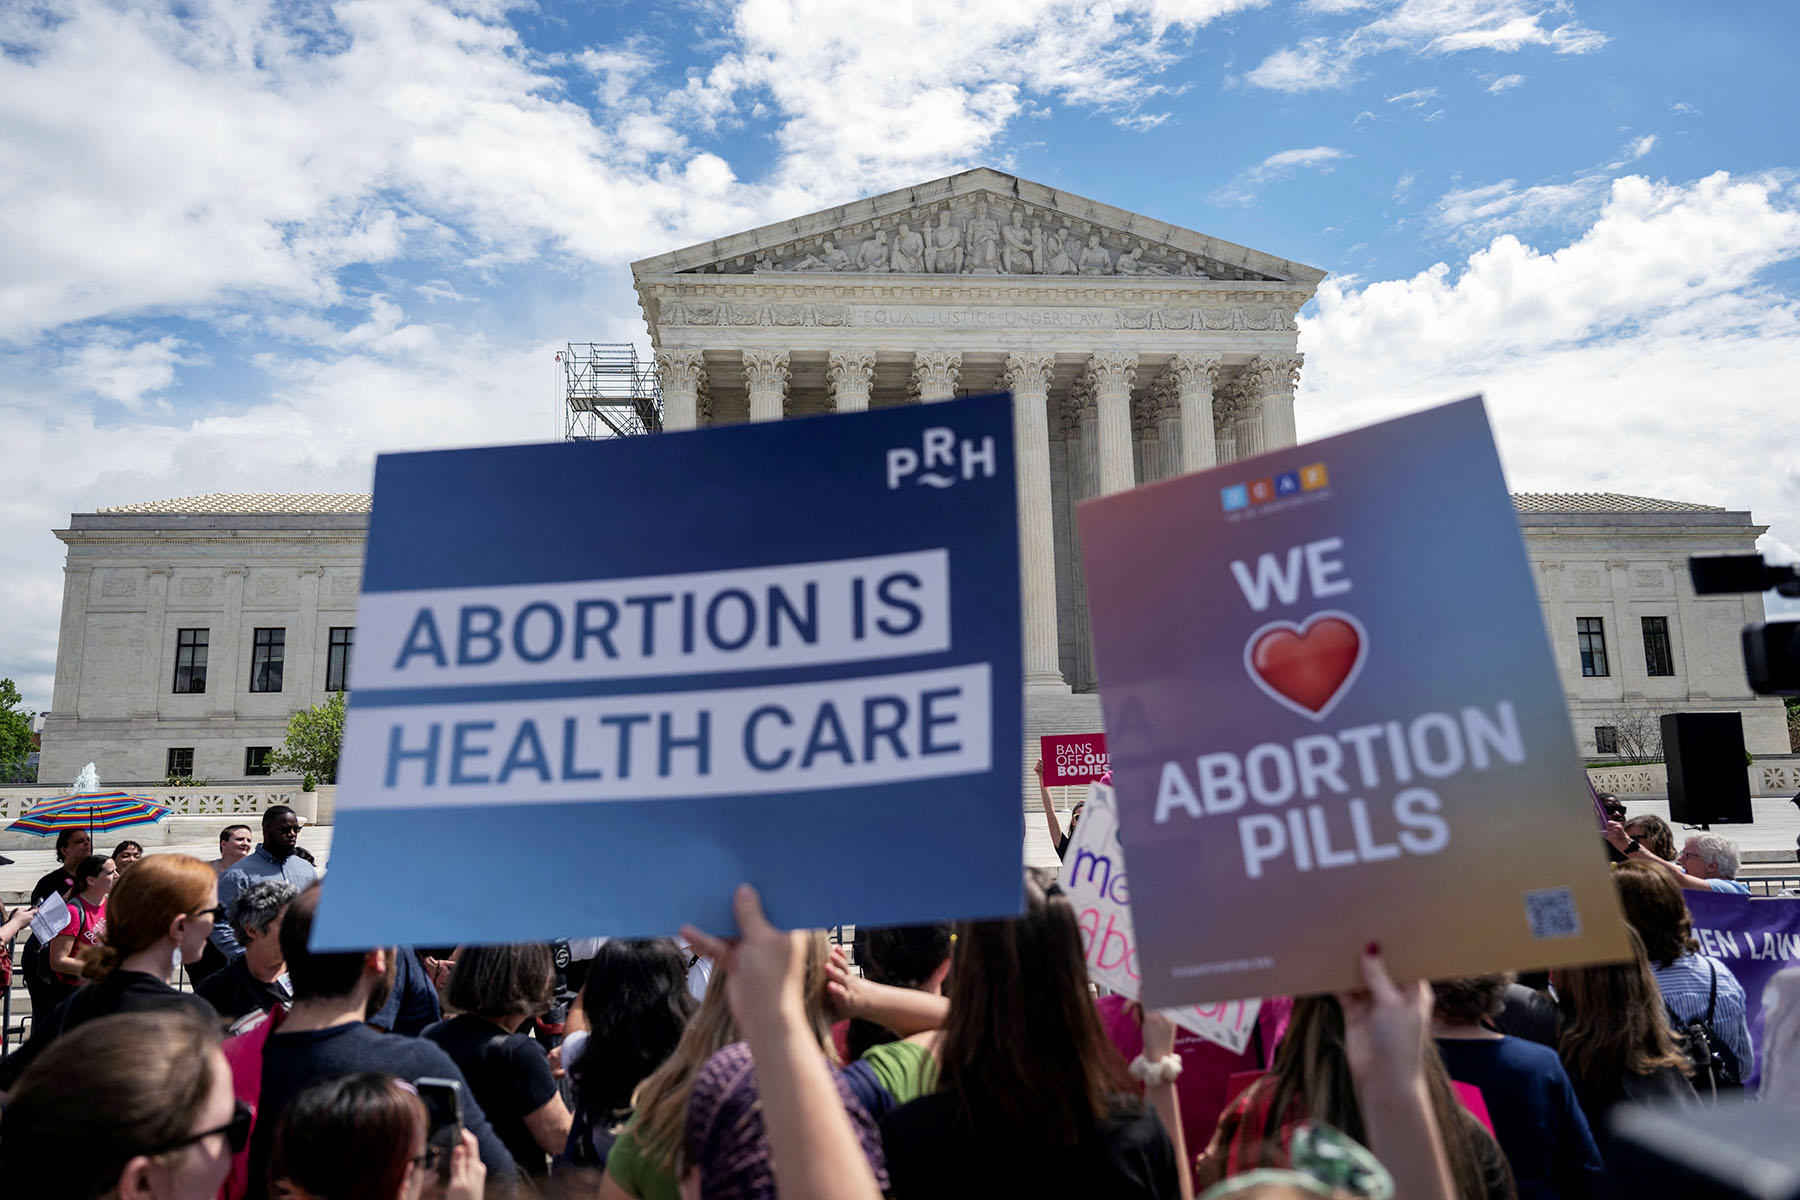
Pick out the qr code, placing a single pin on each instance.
(1552, 914)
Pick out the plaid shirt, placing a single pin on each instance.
(1686, 983)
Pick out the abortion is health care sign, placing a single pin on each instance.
(1334, 719)
(599, 684)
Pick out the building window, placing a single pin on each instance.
(181, 762)
(265, 660)
(1590, 636)
(337, 659)
(256, 760)
(1657, 658)
(190, 660)
(1606, 739)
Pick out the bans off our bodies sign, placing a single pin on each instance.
(1073, 758)
(1334, 718)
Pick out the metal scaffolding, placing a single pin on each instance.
(608, 392)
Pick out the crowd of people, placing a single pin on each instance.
(934, 1061)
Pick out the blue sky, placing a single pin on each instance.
(247, 246)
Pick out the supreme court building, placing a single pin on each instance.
(1135, 350)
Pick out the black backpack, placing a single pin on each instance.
(1716, 1066)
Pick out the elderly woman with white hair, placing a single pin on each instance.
(256, 980)
(1707, 863)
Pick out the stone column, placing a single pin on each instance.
(1629, 669)
(851, 374)
(1247, 424)
(302, 665)
(1112, 374)
(1087, 428)
(1271, 379)
(1027, 376)
(680, 373)
(64, 695)
(223, 682)
(156, 608)
(1195, 375)
(1146, 454)
(1169, 435)
(934, 375)
(766, 377)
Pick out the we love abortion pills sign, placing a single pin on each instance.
(1334, 718)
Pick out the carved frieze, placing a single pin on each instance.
(196, 586)
(981, 234)
(345, 585)
(771, 313)
(118, 585)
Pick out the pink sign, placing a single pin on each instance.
(1074, 758)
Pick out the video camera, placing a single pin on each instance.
(1771, 648)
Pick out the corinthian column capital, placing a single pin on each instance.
(935, 373)
(1194, 371)
(1273, 373)
(852, 369)
(766, 370)
(681, 370)
(1030, 371)
(1112, 371)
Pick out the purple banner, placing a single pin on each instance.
(1755, 938)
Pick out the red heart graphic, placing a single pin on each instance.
(1307, 667)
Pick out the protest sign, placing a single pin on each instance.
(52, 918)
(1073, 758)
(599, 684)
(1095, 882)
(1334, 719)
(1755, 938)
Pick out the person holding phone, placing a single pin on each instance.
(324, 1037)
(371, 1137)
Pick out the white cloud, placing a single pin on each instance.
(1243, 187)
(1313, 65)
(1477, 212)
(110, 365)
(1504, 83)
(1417, 98)
(361, 133)
(1648, 355)
(1425, 28)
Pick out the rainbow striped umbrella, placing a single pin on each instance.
(95, 812)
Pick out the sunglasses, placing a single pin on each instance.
(216, 912)
(236, 1131)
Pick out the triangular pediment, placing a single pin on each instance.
(981, 222)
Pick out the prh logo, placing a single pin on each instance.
(1238, 496)
(941, 459)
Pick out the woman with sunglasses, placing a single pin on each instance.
(362, 1137)
(136, 1105)
(156, 917)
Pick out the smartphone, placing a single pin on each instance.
(443, 1118)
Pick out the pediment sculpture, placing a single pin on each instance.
(983, 235)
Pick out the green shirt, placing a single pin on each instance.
(632, 1169)
(906, 1069)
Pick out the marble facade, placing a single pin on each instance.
(1135, 350)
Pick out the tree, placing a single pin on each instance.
(1637, 730)
(15, 733)
(1793, 716)
(313, 738)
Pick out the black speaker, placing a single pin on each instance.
(1709, 783)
